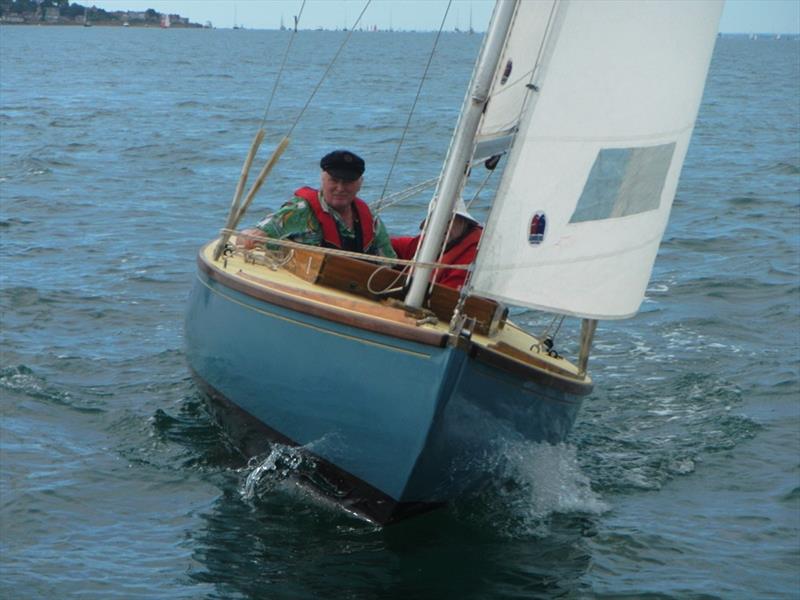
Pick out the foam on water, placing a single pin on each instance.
(536, 481)
(526, 484)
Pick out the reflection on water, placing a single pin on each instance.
(287, 546)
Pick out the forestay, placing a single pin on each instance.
(604, 96)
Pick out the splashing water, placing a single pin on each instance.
(267, 473)
(547, 479)
(531, 483)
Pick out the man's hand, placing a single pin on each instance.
(250, 238)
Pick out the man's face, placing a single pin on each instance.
(457, 229)
(338, 192)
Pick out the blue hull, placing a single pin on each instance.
(390, 420)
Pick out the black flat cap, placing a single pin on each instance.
(343, 164)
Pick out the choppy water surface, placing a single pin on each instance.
(119, 153)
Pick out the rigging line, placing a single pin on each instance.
(333, 251)
(479, 190)
(548, 30)
(549, 326)
(394, 198)
(283, 65)
(546, 332)
(386, 201)
(328, 68)
(414, 104)
(558, 328)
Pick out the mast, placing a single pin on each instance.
(460, 153)
(471, 30)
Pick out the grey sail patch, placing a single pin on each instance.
(624, 181)
(493, 146)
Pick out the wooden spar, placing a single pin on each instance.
(238, 210)
(588, 327)
(260, 180)
(256, 143)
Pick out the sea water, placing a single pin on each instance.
(120, 151)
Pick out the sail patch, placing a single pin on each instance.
(624, 181)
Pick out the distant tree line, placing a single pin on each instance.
(66, 9)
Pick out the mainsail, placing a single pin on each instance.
(600, 100)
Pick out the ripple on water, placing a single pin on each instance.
(648, 436)
(23, 380)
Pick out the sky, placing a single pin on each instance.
(739, 16)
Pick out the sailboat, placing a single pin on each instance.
(394, 392)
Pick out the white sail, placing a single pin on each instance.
(605, 123)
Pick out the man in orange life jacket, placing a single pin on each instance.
(460, 249)
(333, 216)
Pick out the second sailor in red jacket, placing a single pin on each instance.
(461, 248)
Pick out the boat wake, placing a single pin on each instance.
(527, 484)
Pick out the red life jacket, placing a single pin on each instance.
(462, 252)
(330, 233)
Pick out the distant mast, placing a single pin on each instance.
(471, 30)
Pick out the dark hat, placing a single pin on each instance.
(343, 164)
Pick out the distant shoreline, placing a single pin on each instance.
(140, 25)
(107, 24)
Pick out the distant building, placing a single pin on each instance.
(52, 14)
(136, 16)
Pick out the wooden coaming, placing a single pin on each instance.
(365, 279)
